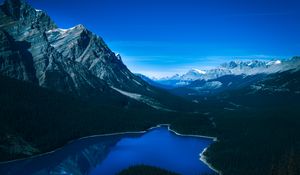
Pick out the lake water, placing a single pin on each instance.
(110, 154)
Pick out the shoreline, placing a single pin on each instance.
(189, 135)
(202, 157)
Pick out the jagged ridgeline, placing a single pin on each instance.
(62, 84)
(73, 61)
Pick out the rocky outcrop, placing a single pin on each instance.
(33, 48)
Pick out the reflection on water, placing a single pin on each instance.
(110, 154)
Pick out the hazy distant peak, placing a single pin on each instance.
(237, 67)
(275, 62)
(197, 71)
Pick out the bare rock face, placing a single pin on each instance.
(84, 47)
(33, 48)
(21, 31)
(15, 61)
(72, 61)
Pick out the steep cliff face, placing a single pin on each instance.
(82, 46)
(74, 60)
(21, 31)
(28, 55)
(69, 52)
(15, 60)
(33, 48)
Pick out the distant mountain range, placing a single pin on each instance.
(78, 62)
(251, 67)
(228, 76)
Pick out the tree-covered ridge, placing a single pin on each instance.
(145, 170)
(36, 120)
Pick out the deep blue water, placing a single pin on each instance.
(110, 154)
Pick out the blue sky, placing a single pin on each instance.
(163, 37)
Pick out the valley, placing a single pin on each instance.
(58, 85)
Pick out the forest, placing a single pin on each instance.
(261, 138)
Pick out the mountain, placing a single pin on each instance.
(193, 74)
(73, 61)
(28, 52)
(153, 82)
(287, 82)
(35, 120)
(214, 86)
(61, 84)
(234, 68)
(241, 87)
(255, 117)
(275, 91)
(230, 76)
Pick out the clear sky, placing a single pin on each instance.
(163, 37)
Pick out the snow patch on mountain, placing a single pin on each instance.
(210, 85)
(144, 99)
(182, 83)
(199, 71)
(246, 68)
(193, 74)
(137, 82)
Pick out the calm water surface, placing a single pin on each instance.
(109, 155)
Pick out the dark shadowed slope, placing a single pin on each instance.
(73, 61)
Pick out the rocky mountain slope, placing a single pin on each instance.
(27, 54)
(73, 61)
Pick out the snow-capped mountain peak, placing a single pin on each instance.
(74, 61)
(192, 74)
(198, 71)
(238, 67)
(276, 62)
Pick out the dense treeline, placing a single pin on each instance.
(262, 136)
(34, 118)
(148, 170)
(145, 170)
(260, 142)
